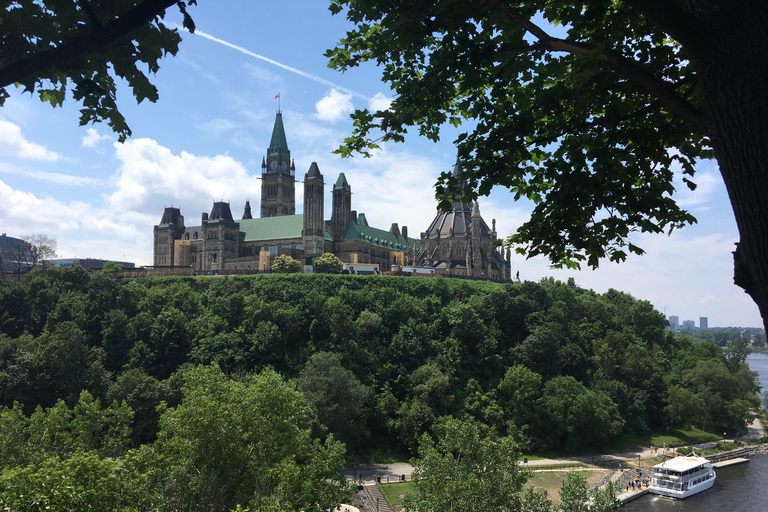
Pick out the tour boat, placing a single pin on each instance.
(682, 477)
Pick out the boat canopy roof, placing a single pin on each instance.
(680, 464)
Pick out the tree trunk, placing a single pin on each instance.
(733, 74)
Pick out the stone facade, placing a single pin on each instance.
(250, 244)
(459, 243)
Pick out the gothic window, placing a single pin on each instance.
(186, 236)
(273, 250)
(195, 235)
(458, 250)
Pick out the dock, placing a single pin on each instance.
(729, 462)
(626, 497)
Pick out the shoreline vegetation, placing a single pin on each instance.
(102, 376)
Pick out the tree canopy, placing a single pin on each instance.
(223, 384)
(328, 263)
(286, 265)
(50, 46)
(588, 109)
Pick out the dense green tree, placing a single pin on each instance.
(231, 443)
(519, 394)
(426, 348)
(328, 263)
(143, 394)
(84, 481)
(61, 431)
(339, 399)
(286, 265)
(589, 120)
(577, 416)
(57, 45)
(466, 469)
(575, 496)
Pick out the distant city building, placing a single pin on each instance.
(703, 323)
(89, 264)
(674, 322)
(746, 336)
(689, 324)
(16, 255)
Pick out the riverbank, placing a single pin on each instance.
(620, 467)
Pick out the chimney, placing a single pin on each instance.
(353, 215)
(405, 232)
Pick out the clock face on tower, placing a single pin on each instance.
(273, 165)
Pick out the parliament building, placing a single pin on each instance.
(457, 243)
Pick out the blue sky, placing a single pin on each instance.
(205, 138)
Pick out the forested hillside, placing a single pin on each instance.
(375, 361)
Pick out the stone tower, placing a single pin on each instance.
(221, 235)
(169, 230)
(278, 183)
(312, 237)
(342, 208)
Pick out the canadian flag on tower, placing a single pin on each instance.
(278, 96)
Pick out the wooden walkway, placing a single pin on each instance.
(729, 462)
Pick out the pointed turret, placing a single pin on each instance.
(278, 145)
(341, 212)
(278, 183)
(247, 212)
(312, 234)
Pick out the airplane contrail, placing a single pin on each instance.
(276, 63)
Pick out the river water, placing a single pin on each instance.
(740, 488)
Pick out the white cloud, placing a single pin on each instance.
(24, 213)
(13, 143)
(93, 137)
(334, 106)
(379, 102)
(151, 176)
(52, 177)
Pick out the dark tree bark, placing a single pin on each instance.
(733, 73)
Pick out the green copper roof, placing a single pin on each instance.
(342, 182)
(272, 228)
(278, 145)
(379, 237)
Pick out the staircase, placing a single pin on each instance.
(376, 499)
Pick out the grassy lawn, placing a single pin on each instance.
(556, 467)
(552, 481)
(395, 492)
(675, 437)
(549, 481)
